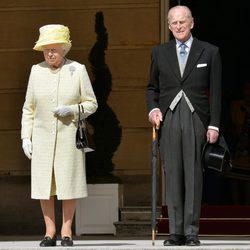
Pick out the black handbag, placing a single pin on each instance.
(84, 140)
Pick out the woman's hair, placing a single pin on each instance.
(66, 48)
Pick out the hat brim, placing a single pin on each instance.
(39, 45)
(216, 157)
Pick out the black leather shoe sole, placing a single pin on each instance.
(175, 240)
(192, 241)
(172, 243)
(48, 242)
(67, 242)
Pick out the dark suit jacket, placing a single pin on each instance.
(201, 80)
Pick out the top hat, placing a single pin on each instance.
(52, 34)
(216, 156)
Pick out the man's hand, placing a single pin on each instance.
(63, 111)
(212, 135)
(27, 147)
(155, 117)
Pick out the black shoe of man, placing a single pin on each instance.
(192, 240)
(175, 240)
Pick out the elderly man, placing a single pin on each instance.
(184, 102)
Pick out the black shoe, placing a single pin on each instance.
(175, 240)
(192, 240)
(67, 241)
(47, 241)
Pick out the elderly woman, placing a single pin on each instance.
(56, 86)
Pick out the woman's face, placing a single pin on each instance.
(54, 55)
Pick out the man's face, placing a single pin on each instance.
(180, 24)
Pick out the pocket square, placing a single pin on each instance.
(201, 65)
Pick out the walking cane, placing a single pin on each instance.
(154, 182)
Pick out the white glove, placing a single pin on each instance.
(63, 111)
(27, 147)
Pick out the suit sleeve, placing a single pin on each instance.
(215, 89)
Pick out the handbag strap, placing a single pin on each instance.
(80, 110)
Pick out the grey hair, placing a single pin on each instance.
(66, 48)
(187, 10)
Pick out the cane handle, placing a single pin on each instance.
(154, 133)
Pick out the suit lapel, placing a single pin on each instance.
(172, 58)
(194, 54)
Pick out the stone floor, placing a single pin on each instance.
(112, 243)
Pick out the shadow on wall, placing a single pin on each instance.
(107, 129)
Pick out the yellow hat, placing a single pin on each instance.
(51, 34)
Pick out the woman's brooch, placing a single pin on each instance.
(72, 69)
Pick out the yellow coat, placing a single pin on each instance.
(53, 138)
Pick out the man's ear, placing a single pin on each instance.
(192, 24)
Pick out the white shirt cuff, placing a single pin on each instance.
(214, 128)
(153, 110)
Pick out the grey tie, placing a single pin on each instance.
(183, 53)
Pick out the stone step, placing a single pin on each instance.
(142, 213)
(132, 228)
(215, 220)
(135, 221)
(133, 243)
